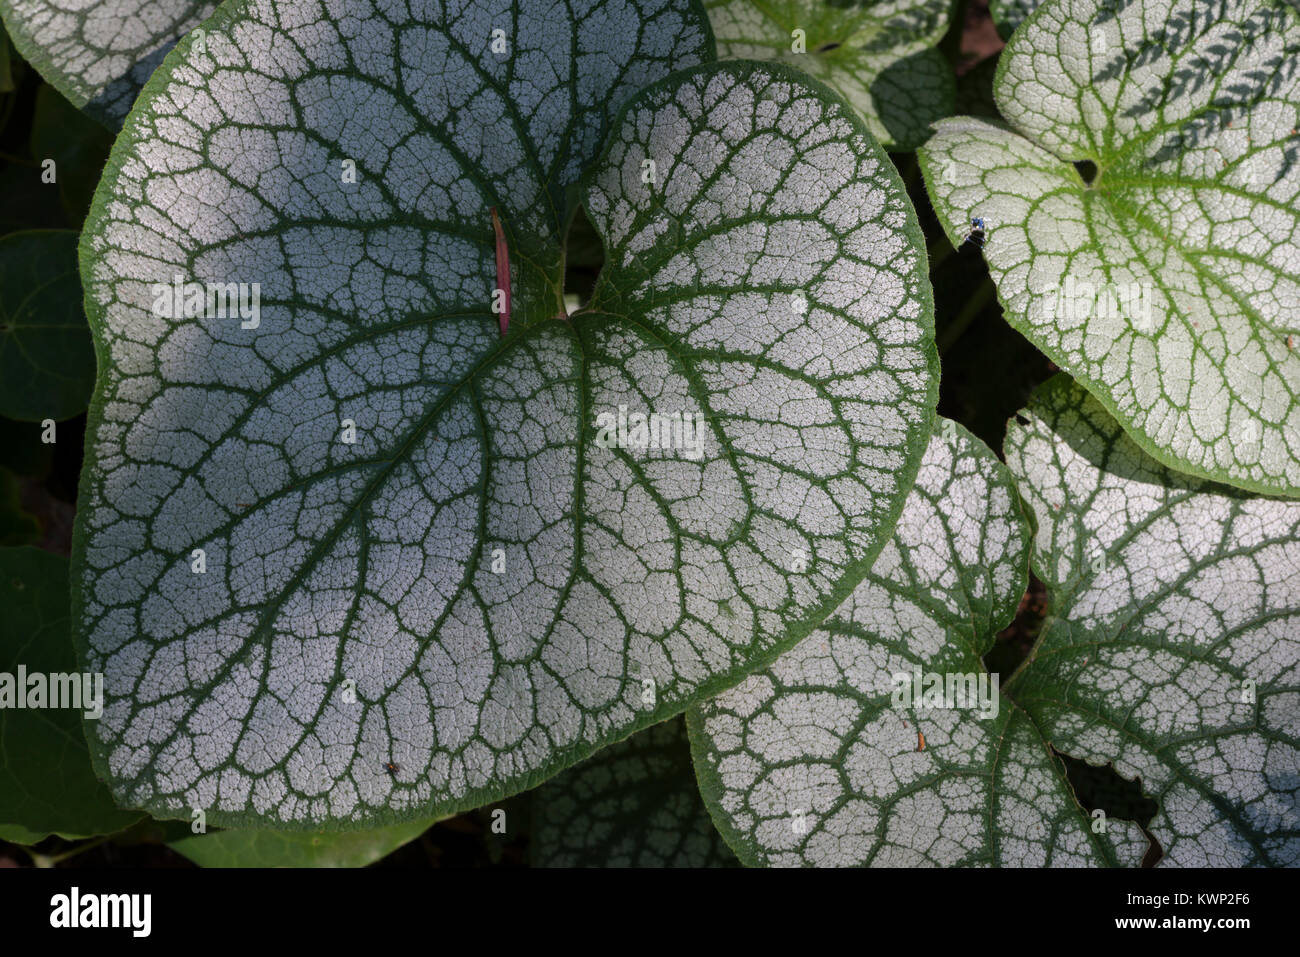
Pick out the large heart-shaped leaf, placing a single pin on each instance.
(47, 364)
(880, 56)
(1167, 283)
(814, 762)
(488, 584)
(47, 785)
(1174, 644)
(99, 53)
(633, 804)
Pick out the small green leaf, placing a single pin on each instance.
(249, 848)
(47, 361)
(880, 56)
(633, 804)
(1176, 640)
(47, 785)
(815, 762)
(1166, 284)
(422, 542)
(99, 53)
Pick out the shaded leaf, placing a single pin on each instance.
(633, 804)
(975, 90)
(47, 361)
(77, 144)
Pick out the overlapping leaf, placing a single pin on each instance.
(480, 589)
(880, 56)
(814, 763)
(1166, 284)
(1171, 653)
(1174, 645)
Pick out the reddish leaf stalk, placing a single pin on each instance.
(503, 269)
